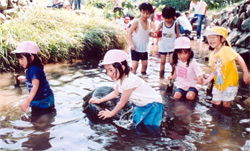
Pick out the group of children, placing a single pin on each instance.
(149, 104)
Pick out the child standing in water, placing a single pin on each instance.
(41, 98)
(187, 71)
(225, 73)
(139, 37)
(149, 107)
(170, 31)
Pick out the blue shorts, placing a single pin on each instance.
(183, 92)
(165, 53)
(136, 56)
(44, 103)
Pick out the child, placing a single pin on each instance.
(139, 38)
(225, 73)
(184, 25)
(187, 70)
(170, 31)
(149, 107)
(40, 97)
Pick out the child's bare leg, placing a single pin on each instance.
(163, 61)
(170, 60)
(144, 66)
(191, 95)
(134, 66)
(226, 104)
(177, 95)
(216, 102)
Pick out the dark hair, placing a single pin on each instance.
(168, 12)
(37, 61)
(175, 56)
(146, 7)
(118, 66)
(225, 43)
(177, 14)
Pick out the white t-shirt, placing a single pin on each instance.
(187, 76)
(199, 8)
(143, 94)
(184, 22)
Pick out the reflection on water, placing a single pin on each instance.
(186, 125)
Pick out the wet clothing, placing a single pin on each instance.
(168, 38)
(149, 108)
(224, 68)
(183, 92)
(228, 94)
(44, 97)
(187, 75)
(141, 38)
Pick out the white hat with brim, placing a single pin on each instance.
(27, 47)
(210, 32)
(113, 56)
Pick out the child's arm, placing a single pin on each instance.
(130, 33)
(210, 78)
(246, 75)
(173, 76)
(110, 96)
(158, 28)
(35, 85)
(21, 78)
(124, 99)
(177, 30)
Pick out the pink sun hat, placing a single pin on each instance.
(114, 55)
(27, 47)
(182, 43)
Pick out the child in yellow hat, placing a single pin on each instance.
(225, 73)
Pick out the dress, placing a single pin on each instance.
(141, 38)
(187, 76)
(44, 93)
(168, 38)
(149, 107)
(224, 68)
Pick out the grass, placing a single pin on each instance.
(61, 35)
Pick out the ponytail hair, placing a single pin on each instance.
(36, 62)
(118, 66)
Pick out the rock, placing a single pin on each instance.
(234, 36)
(234, 22)
(243, 42)
(248, 11)
(3, 4)
(10, 12)
(247, 103)
(239, 22)
(2, 18)
(246, 25)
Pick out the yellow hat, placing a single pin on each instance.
(217, 31)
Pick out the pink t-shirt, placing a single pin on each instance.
(187, 76)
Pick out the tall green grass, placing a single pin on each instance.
(61, 35)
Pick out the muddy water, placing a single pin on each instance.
(186, 126)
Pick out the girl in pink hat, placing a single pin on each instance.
(41, 98)
(149, 107)
(187, 71)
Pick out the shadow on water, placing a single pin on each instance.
(195, 125)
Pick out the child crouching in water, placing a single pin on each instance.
(41, 98)
(149, 107)
(187, 71)
(225, 74)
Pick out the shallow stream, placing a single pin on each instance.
(187, 125)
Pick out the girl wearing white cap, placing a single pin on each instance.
(41, 98)
(225, 73)
(187, 71)
(149, 107)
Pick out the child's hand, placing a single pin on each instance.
(21, 78)
(200, 81)
(25, 106)
(246, 78)
(133, 47)
(170, 77)
(105, 114)
(95, 100)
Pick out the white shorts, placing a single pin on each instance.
(227, 95)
